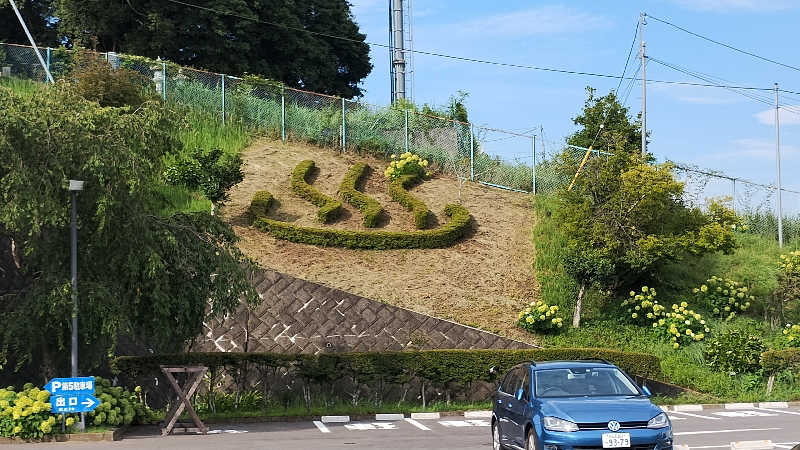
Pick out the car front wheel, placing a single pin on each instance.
(496, 438)
(530, 442)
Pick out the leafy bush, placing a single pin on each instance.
(398, 191)
(791, 336)
(260, 205)
(735, 351)
(724, 297)
(329, 208)
(212, 172)
(778, 360)
(94, 79)
(444, 236)
(26, 414)
(369, 207)
(540, 317)
(682, 325)
(118, 406)
(787, 293)
(643, 308)
(406, 164)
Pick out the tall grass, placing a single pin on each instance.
(20, 86)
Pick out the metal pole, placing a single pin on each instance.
(778, 163)
(164, 81)
(734, 195)
(534, 165)
(33, 43)
(398, 62)
(74, 270)
(344, 127)
(644, 81)
(283, 115)
(48, 61)
(223, 99)
(472, 152)
(406, 130)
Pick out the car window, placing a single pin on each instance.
(526, 384)
(582, 381)
(509, 382)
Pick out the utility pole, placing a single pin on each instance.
(643, 54)
(398, 59)
(778, 163)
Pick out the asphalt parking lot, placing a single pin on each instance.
(706, 429)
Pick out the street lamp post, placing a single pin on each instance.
(75, 186)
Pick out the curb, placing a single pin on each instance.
(105, 436)
(426, 416)
(733, 406)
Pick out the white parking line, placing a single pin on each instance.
(671, 417)
(696, 415)
(687, 433)
(321, 426)
(417, 424)
(780, 411)
(744, 413)
(783, 446)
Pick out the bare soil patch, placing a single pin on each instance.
(482, 281)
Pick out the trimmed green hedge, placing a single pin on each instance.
(777, 360)
(260, 205)
(444, 236)
(369, 207)
(329, 208)
(399, 193)
(432, 366)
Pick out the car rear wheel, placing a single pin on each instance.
(530, 441)
(496, 438)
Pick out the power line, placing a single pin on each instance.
(472, 60)
(723, 44)
(630, 52)
(631, 83)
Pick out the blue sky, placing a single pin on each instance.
(709, 127)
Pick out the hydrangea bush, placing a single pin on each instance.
(735, 351)
(26, 414)
(118, 406)
(540, 317)
(724, 297)
(680, 325)
(643, 308)
(791, 335)
(406, 164)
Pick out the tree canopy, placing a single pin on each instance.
(604, 124)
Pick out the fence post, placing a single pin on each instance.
(472, 152)
(164, 81)
(406, 130)
(48, 63)
(533, 174)
(223, 99)
(344, 127)
(734, 195)
(283, 114)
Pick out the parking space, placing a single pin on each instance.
(697, 429)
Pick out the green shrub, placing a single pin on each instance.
(735, 351)
(406, 164)
(26, 414)
(540, 317)
(212, 172)
(682, 325)
(444, 236)
(260, 205)
(398, 191)
(724, 297)
(118, 406)
(94, 79)
(778, 360)
(369, 207)
(791, 336)
(329, 208)
(643, 308)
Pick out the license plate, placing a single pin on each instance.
(616, 440)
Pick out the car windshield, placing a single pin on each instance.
(582, 382)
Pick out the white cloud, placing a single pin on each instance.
(528, 22)
(786, 117)
(741, 5)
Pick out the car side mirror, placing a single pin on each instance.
(520, 394)
(646, 391)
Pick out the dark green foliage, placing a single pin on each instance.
(735, 351)
(229, 43)
(369, 207)
(618, 132)
(37, 15)
(260, 205)
(433, 366)
(141, 275)
(444, 236)
(777, 360)
(398, 192)
(94, 79)
(329, 208)
(212, 172)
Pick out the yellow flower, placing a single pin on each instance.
(541, 317)
(675, 345)
(529, 319)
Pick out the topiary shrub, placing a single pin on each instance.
(369, 207)
(735, 351)
(329, 208)
(260, 204)
(398, 192)
(212, 172)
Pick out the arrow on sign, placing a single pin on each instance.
(88, 402)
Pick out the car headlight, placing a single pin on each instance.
(556, 424)
(659, 421)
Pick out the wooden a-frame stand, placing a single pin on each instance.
(185, 394)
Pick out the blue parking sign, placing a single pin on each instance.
(76, 385)
(73, 403)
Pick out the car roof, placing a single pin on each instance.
(538, 365)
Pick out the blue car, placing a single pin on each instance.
(576, 405)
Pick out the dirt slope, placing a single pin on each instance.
(482, 281)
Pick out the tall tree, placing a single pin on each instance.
(604, 123)
(263, 37)
(38, 16)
